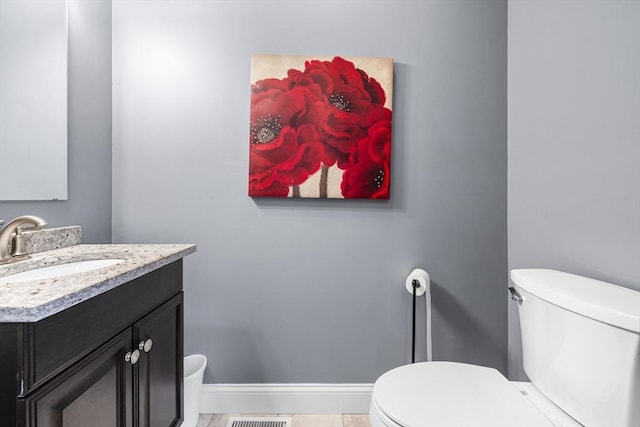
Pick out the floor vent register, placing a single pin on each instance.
(259, 422)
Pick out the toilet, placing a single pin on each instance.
(581, 351)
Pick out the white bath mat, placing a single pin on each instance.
(259, 422)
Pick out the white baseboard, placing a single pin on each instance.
(285, 398)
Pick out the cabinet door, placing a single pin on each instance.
(96, 391)
(159, 374)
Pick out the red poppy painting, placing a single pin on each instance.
(320, 127)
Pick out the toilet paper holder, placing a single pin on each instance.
(418, 283)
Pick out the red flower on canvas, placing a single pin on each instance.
(292, 106)
(352, 103)
(328, 115)
(369, 172)
(352, 94)
(284, 144)
(281, 157)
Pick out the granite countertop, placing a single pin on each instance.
(34, 300)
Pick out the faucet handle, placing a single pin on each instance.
(17, 245)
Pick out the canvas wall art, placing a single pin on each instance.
(320, 127)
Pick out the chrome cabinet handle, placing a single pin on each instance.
(145, 345)
(132, 356)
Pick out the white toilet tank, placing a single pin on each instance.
(581, 345)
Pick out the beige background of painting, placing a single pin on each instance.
(311, 187)
(276, 66)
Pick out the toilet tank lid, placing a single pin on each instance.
(602, 301)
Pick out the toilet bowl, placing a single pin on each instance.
(450, 394)
(581, 351)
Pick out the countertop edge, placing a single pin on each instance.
(25, 314)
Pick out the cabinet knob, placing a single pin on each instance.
(132, 356)
(146, 345)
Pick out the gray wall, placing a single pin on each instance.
(310, 290)
(574, 142)
(89, 129)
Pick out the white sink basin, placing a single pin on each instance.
(59, 270)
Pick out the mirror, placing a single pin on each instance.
(33, 99)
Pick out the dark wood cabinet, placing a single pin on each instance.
(113, 360)
(96, 391)
(159, 371)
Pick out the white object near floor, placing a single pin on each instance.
(285, 398)
(194, 366)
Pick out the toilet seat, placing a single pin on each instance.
(450, 394)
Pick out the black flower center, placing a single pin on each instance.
(265, 129)
(340, 102)
(379, 178)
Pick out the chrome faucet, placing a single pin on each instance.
(12, 240)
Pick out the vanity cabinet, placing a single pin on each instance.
(113, 360)
(96, 391)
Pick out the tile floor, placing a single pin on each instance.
(324, 420)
